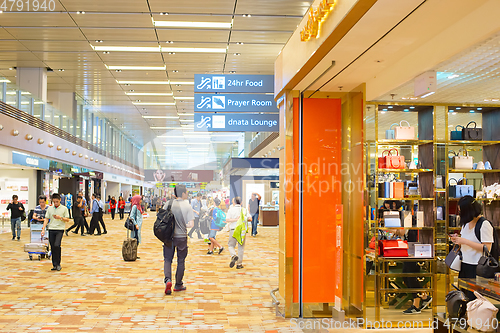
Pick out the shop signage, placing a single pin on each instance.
(316, 18)
(31, 161)
(207, 83)
(236, 122)
(235, 102)
(164, 176)
(75, 170)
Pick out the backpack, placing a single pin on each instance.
(165, 224)
(30, 215)
(220, 219)
(205, 221)
(495, 249)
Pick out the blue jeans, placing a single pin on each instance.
(255, 221)
(15, 224)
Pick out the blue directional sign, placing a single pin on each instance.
(213, 83)
(235, 122)
(235, 103)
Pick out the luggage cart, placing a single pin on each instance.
(39, 246)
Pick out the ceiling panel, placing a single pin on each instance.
(262, 37)
(112, 6)
(36, 19)
(67, 56)
(46, 33)
(4, 34)
(12, 46)
(259, 23)
(18, 56)
(201, 7)
(55, 46)
(134, 20)
(131, 57)
(275, 7)
(120, 34)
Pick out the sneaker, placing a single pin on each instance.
(13, 238)
(168, 287)
(179, 288)
(221, 249)
(411, 310)
(234, 259)
(105, 232)
(239, 267)
(424, 303)
(84, 235)
(53, 269)
(74, 232)
(66, 232)
(18, 238)
(210, 252)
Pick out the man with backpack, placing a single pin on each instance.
(184, 218)
(218, 222)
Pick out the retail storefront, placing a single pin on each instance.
(346, 89)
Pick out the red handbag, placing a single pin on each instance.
(391, 161)
(393, 248)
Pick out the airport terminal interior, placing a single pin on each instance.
(250, 166)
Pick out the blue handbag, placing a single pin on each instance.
(463, 190)
(389, 134)
(457, 134)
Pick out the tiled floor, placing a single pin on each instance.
(98, 292)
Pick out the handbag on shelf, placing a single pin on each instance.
(389, 134)
(472, 133)
(391, 161)
(457, 133)
(456, 303)
(454, 259)
(463, 162)
(454, 221)
(393, 248)
(463, 190)
(481, 314)
(392, 219)
(487, 265)
(452, 189)
(404, 132)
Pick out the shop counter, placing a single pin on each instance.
(486, 287)
(269, 216)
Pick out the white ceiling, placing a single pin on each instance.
(62, 40)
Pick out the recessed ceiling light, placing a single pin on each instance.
(179, 91)
(80, 12)
(383, 112)
(171, 53)
(479, 109)
(406, 110)
(177, 85)
(247, 15)
(412, 107)
(451, 110)
(239, 43)
(118, 70)
(472, 111)
(132, 90)
(495, 99)
(237, 54)
(127, 84)
(175, 71)
(105, 52)
(61, 70)
(164, 13)
(232, 72)
(138, 100)
(10, 69)
(169, 42)
(187, 24)
(390, 107)
(98, 41)
(458, 108)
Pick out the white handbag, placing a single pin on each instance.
(463, 162)
(481, 314)
(404, 132)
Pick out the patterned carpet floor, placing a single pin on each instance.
(97, 291)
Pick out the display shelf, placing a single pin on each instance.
(405, 170)
(473, 171)
(407, 199)
(411, 228)
(471, 143)
(478, 199)
(383, 143)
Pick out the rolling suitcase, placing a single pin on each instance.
(129, 248)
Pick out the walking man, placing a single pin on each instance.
(77, 216)
(58, 215)
(196, 205)
(101, 214)
(17, 210)
(253, 208)
(40, 210)
(184, 218)
(84, 213)
(94, 222)
(232, 218)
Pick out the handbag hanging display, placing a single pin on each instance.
(487, 265)
(463, 162)
(463, 190)
(472, 133)
(454, 259)
(456, 303)
(452, 189)
(457, 133)
(481, 314)
(393, 248)
(404, 132)
(389, 134)
(391, 161)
